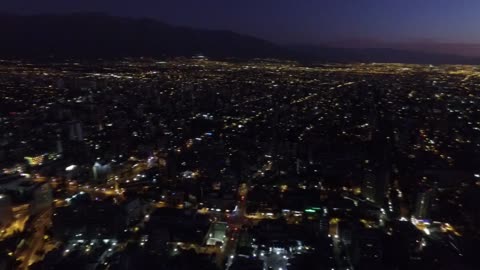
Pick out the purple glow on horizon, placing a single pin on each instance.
(445, 25)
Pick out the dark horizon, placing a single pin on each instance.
(431, 26)
(72, 35)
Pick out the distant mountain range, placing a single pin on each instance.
(378, 55)
(99, 35)
(87, 35)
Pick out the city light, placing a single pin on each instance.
(249, 163)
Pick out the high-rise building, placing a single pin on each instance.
(368, 186)
(375, 186)
(6, 214)
(100, 171)
(423, 204)
(367, 247)
(42, 198)
(59, 146)
(75, 131)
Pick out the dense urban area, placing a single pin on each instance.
(191, 163)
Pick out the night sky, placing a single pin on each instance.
(452, 25)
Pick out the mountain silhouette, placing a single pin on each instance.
(100, 35)
(97, 35)
(379, 55)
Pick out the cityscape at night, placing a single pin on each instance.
(131, 144)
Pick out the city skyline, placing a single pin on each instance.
(320, 135)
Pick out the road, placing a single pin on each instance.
(36, 243)
(235, 224)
